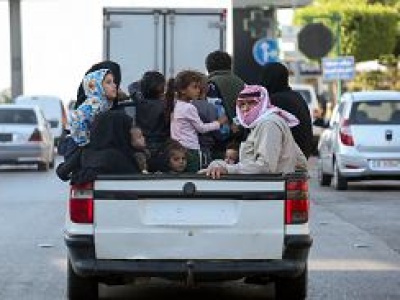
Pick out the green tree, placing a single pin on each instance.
(362, 25)
(383, 2)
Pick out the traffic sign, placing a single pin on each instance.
(265, 50)
(338, 68)
(315, 40)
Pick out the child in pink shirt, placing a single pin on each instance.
(185, 120)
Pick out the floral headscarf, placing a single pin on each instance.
(95, 103)
(262, 109)
(92, 83)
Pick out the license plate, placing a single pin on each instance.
(5, 137)
(385, 164)
(165, 212)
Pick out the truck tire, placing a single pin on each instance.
(339, 182)
(52, 163)
(292, 288)
(81, 288)
(43, 166)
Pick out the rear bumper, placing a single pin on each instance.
(82, 255)
(359, 168)
(22, 154)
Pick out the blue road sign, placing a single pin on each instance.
(338, 68)
(265, 50)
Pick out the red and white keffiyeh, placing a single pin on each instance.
(262, 109)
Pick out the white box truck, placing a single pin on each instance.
(166, 38)
(172, 35)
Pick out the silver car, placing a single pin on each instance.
(25, 137)
(362, 141)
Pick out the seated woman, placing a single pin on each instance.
(110, 150)
(270, 147)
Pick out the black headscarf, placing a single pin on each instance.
(107, 64)
(275, 77)
(110, 150)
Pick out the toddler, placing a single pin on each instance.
(176, 157)
(232, 154)
(142, 154)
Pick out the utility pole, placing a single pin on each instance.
(336, 18)
(16, 48)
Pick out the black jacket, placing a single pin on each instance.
(150, 117)
(110, 150)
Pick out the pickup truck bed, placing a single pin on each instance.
(189, 228)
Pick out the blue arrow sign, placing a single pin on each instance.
(266, 50)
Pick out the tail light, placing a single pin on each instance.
(345, 133)
(81, 204)
(224, 13)
(297, 203)
(36, 136)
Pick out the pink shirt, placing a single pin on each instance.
(186, 124)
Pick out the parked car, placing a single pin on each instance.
(53, 109)
(363, 139)
(25, 136)
(307, 91)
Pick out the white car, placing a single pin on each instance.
(25, 136)
(363, 139)
(53, 110)
(307, 91)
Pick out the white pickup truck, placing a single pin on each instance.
(189, 228)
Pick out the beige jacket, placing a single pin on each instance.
(269, 148)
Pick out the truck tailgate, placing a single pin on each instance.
(189, 219)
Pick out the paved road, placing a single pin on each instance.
(355, 253)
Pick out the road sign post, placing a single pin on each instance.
(338, 68)
(337, 19)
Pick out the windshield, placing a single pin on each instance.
(375, 112)
(17, 116)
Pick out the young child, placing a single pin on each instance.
(207, 113)
(142, 154)
(176, 157)
(232, 154)
(185, 122)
